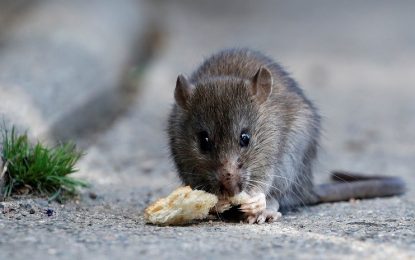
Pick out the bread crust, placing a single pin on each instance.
(181, 207)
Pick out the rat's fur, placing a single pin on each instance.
(284, 129)
(242, 90)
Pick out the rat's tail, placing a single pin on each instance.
(357, 186)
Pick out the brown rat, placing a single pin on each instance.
(241, 123)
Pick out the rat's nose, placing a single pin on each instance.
(229, 180)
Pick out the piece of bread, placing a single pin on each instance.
(181, 207)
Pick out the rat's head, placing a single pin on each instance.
(220, 139)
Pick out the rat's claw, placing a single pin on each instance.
(261, 219)
(271, 216)
(251, 219)
(254, 205)
(268, 216)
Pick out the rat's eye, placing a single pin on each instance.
(244, 139)
(205, 142)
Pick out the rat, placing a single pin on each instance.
(241, 123)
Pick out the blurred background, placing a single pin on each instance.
(102, 73)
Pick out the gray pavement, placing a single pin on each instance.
(354, 59)
(59, 60)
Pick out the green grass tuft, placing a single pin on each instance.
(39, 169)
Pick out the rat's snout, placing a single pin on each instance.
(229, 179)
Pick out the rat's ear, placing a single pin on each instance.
(262, 85)
(183, 91)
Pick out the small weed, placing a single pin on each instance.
(36, 168)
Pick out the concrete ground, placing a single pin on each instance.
(354, 59)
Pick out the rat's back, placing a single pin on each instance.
(239, 63)
(243, 63)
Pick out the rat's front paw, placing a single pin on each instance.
(255, 210)
(268, 216)
(254, 205)
(221, 206)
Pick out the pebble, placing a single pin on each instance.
(49, 212)
(93, 195)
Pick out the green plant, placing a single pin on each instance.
(42, 170)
